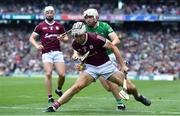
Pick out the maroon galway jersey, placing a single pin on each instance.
(94, 44)
(49, 32)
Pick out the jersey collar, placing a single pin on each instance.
(49, 23)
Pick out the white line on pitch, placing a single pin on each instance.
(97, 110)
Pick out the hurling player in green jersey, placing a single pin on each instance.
(91, 17)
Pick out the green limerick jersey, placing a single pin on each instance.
(102, 29)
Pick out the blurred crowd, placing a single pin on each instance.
(78, 6)
(154, 52)
(149, 9)
(147, 51)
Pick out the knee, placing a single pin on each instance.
(48, 74)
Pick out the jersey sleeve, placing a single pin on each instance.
(37, 30)
(108, 28)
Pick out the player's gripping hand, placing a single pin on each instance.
(39, 47)
(75, 56)
(80, 67)
(60, 37)
(124, 69)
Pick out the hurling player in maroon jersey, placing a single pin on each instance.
(49, 31)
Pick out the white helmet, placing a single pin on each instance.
(91, 12)
(48, 8)
(78, 29)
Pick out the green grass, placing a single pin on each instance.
(27, 96)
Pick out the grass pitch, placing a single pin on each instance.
(27, 96)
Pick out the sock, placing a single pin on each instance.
(119, 101)
(58, 89)
(49, 96)
(56, 105)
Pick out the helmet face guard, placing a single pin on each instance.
(47, 11)
(91, 12)
(78, 29)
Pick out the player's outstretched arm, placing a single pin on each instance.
(115, 40)
(117, 53)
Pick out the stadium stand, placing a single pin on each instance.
(104, 7)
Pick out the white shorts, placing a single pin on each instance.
(113, 59)
(53, 56)
(105, 70)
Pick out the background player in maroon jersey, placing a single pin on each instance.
(97, 64)
(48, 32)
